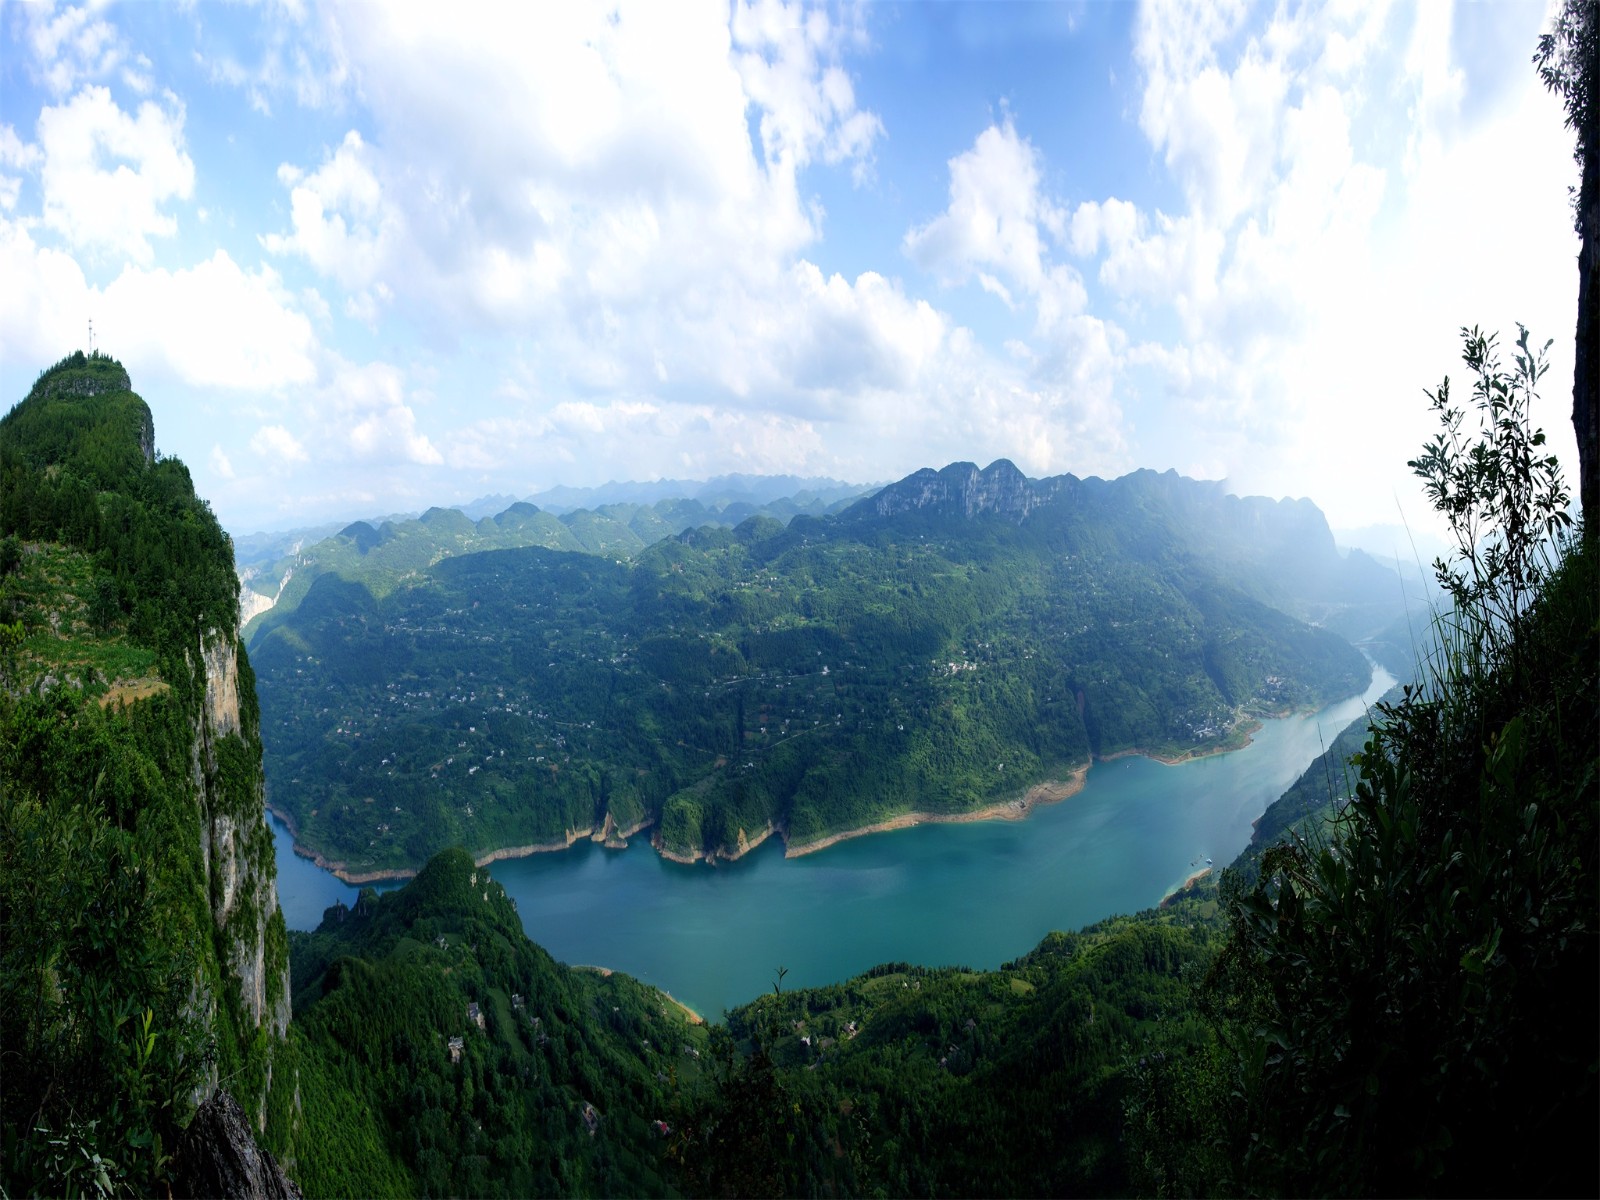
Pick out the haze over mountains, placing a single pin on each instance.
(940, 643)
(262, 547)
(943, 644)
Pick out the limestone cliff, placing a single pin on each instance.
(962, 488)
(144, 962)
(235, 843)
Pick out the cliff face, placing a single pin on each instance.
(138, 888)
(961, 488)
(235, 843)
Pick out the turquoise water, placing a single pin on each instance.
(975, 894)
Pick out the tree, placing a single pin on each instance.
(1415, 992)
(105, 605)
(1568, 59)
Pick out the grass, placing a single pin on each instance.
(49, 592)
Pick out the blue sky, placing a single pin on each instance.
(368, 258)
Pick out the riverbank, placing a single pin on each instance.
(609, 835)
(1187, 885)
(1242, 737)
(1051, 791)
(746, 844)
(1047, 792)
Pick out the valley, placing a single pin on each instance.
(930, 653)
(974, 894)
(976, 636)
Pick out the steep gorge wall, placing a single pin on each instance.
(236, 848)
(139, 877)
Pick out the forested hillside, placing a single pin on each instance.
(1393, 991)
(393, 553)
(810, 679)
(143, 961)
(438, 1051)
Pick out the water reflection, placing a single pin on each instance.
(973, 894)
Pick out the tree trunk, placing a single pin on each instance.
(1586, 350)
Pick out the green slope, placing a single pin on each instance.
(555, 1094)
(143, 961)
(813, 679)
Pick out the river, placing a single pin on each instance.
(975, 894)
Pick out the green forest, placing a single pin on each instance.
(1392, 990)
(810, 678)
(120, 999)
(393, 553)
(437, 1051)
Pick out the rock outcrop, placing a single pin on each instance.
(235, 843)
(961, 488)
(219, 1157)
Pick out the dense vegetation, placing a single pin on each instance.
(813, 678)
(555, 1093)
(392, 553)
(1393, 991)
(78, 467)
(119, 1007)
(1414, 998)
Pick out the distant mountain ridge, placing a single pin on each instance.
(937, 648)
(999, 488)
(260, 548)
(1311, 578)
(381, 554)
(721, 489)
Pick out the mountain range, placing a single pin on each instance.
(941, 646)
(1393, 989)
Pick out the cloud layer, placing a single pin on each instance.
(527, 245)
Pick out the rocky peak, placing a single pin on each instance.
(962, 489)
(218, 1156)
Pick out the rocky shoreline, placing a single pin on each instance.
(746, 844)
(609, 835)
(1051, 791)
(1047, 792)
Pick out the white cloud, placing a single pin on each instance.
(847, 337)
(391, 435)
(1321, 226)
(73, 44)
(300, 57)
(277, 446)
(221, 463)
(15, 154)
(996, 218)
(626, 215)
(342, 224)
(1112, 222)
(213, 325)
(107, 176)
(807, 103)
(363, 415)
(45, 303)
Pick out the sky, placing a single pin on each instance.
(363, 259)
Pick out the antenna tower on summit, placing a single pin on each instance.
(91, 336)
